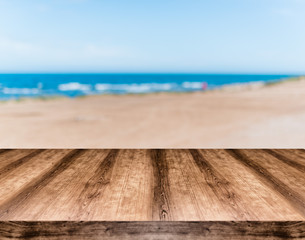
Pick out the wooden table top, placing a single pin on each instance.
(152, 185)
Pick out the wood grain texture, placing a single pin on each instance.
(152, 185)
(152, 230)
(287, 160)
(13, 165)
(260, 193)
(161, 195)
(294, 195)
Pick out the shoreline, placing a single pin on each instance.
(226, 87)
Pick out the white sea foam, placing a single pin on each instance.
(74, 86)
(110, 88)
(192, 85)
(134, 88)
(129, 88)
(20, 91)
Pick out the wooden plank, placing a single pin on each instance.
(152, 230)
(135, 198)
(126, 193)
(161, 204)
(15, 164)
(16, 178)
(293, 157)
(255, 198)
(8, 156)
(11, 205)
(293, 162)
(52, 200)
(203, 190)
(279, 176)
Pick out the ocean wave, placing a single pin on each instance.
(74, 86)
(20, 91)
(192, 85)
(134, 88)
(130, 88)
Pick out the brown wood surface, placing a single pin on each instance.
(153, 230)
(152, 185)
(201, 190)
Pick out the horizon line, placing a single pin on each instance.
(156, 73)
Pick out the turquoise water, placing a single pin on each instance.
(72, 85)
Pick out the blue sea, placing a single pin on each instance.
(14, 86)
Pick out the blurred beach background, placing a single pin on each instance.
(134, 74)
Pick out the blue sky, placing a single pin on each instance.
(208, 36)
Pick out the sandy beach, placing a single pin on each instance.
(251, 116)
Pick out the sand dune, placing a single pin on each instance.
(234, 117)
